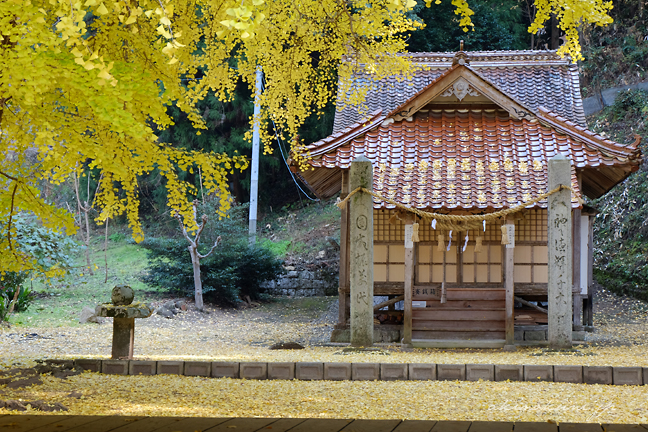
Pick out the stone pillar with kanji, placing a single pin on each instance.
(361, 253)
(559, 221)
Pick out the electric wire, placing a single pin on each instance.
(281, 150)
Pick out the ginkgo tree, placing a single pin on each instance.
(86, 83)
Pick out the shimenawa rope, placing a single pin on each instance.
(459, 222)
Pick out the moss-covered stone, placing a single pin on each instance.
(134, 310)
(122, 295)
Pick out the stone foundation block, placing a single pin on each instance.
(627, 376)
(114, 367)
(518, 335)
(170, 367)
(225, 370)
(197, 368)
(597, 374)
(341, 335)
(65, 364)
(451, 372)
(393, 371)
(509, 372)
(645, 375)
(309, 371)
(281, 370)
(253, 370)
(568, 374)
(365, 371)
(337, 371)
(88, 364)
(538, 373)
(141, 367)
(579, 335)
(422, 371)
(475, 372)
(535, 335)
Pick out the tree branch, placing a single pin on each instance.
(218, 240)
(200, 228)
(11, 210)
(184, 230)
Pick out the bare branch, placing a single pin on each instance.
(200, 228)
(11, 211)
(216, 243)
(94, 197)
(184, 230)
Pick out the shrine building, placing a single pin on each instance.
(470, 133)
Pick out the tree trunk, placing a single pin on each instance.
(195, 260)
(87, 241)
(555, 32)
(13, 302)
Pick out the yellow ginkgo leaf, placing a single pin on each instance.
(104, 74)
(101, 10)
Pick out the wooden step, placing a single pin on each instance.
(476, 294)
(459, 314)
(459, 325)
(465, 304)
(472, 335)
(458, 343)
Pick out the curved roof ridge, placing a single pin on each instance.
(630, 151)
(339, 138)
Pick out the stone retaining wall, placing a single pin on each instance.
(302, 283)
(308, 371)
(606, 98)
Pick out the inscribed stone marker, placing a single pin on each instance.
(560, 255)
(361, 248)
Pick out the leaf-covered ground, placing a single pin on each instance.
(621, 338)
(191, 396)
(245, 335)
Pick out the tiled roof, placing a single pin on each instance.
(470, 159)
(533, 78)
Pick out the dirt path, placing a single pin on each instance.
(621, 337)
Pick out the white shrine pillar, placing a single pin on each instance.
(361, 253)
(560, 255)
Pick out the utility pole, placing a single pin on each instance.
(254, 181)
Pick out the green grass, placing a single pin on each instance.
(302, 230)
(60, 302)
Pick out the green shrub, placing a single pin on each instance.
(12, 281)
(117, 237)
(233, 271)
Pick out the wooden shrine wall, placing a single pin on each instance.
(466, 266)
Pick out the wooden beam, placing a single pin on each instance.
(388, 303)
(343, 314)
(576, 267)
(590, 274)
(526, 303)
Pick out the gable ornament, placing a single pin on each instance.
(460, 89)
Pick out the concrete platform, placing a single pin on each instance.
(64, 423)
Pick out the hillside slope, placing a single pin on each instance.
(621, 227)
